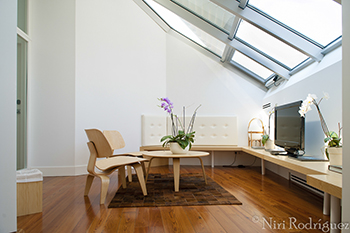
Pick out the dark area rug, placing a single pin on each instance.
(160, 188)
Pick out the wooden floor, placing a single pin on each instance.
(270, 204)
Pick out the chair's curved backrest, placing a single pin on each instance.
(103, 148)
(115, 139)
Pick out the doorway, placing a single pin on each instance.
(22, 48)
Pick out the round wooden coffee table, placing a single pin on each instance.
(176, 162)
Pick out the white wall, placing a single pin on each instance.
(8, 47)
(93, 64)
(120, 70)
(325, 76)
(346, 112)
(195, 78)
(51, 86)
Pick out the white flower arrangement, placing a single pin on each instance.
(332, 138)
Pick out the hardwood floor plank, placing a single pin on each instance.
(183, 220)
(155, 221)
(143, 216)
(169, 222)
(223, 219)
(210, 220)
(127, 221)
(269, 197)
(196, 220)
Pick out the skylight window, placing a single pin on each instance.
(319, 20)
(188, 30)
(269, 45)
(210, 12)
(262, 38)
(251, 65)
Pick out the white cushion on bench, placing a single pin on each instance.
(210, 130)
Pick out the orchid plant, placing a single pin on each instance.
(266, 136)
(332, 137)
(179, 133)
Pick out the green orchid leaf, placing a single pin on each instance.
(327, 139)
(165, 137)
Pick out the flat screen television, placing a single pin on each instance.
(290, 128)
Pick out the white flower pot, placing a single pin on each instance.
(335, 155)
(175, 148)
(269, 144)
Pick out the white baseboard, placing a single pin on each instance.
(63, 170)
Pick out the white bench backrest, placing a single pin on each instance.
(210, 130)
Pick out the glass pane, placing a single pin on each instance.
(22, 15)
(269, 45)
(188, 30)
(320, 20)
(251, 65)
(210, 12)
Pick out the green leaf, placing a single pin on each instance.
(327, 139)
(165, 137)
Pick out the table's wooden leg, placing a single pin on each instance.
(149, 166)
(143, 168)
(176, 168)
(129, 173)
(205, 177)
(121, 171)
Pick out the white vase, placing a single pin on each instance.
(175, 148)
(335, 155)
(269, 144)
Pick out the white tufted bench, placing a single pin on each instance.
(213, 133)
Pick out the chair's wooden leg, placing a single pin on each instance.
(129, 173)
(140, 176)
(89, 180)
(205, 177)
(121, 172)
(104, 188)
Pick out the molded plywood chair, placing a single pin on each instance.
(100, 148)
(116, 141)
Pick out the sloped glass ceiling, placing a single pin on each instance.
(188, 30)
(264, 38)
(318, 20)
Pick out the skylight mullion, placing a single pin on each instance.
(227, 54)
(272, 28)
(264, 61)
(234, 28)
(243, 3)
(261, 72)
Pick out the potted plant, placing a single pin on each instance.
(334, 151)
(180, 141)
(266, 141)
(334, 148)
